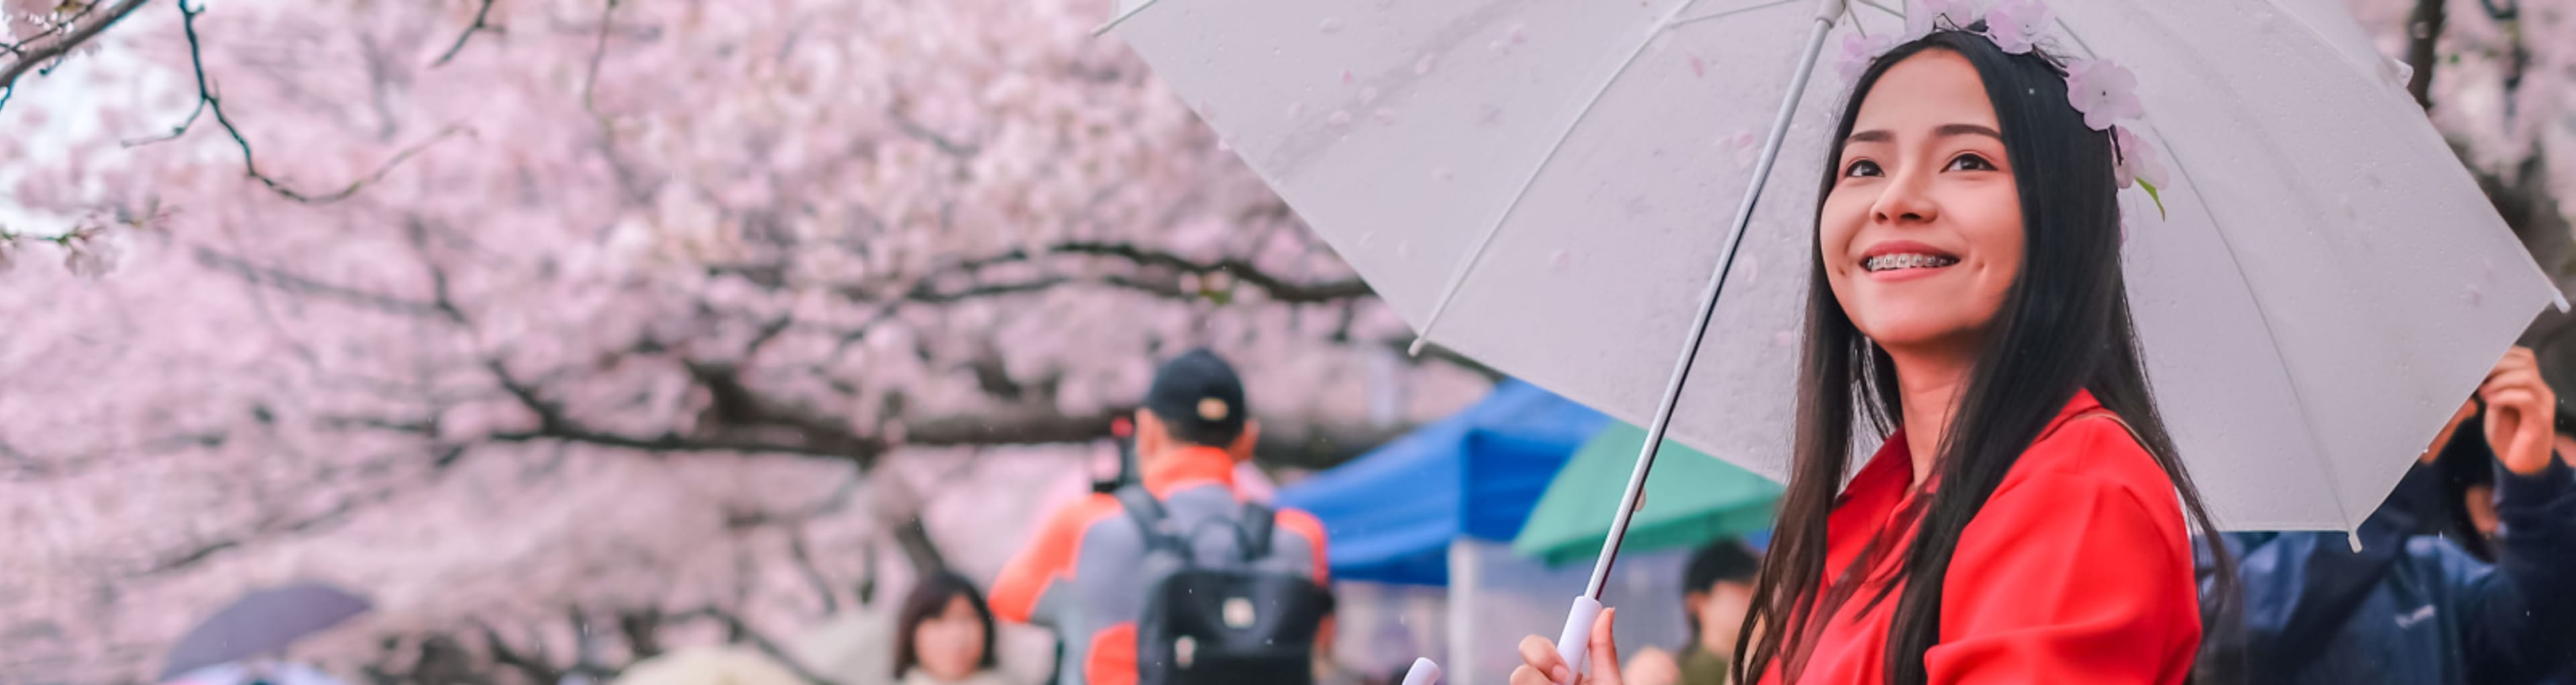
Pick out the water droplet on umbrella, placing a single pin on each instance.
(1385, 116)
(1339, 118)
(1519, 33)
(1559, 261)
(1296, 110)
(1346, 77)
(2473, 296)
(1752, 267)
(1330, 25)
(1423, 66)
(1368, 95)
(1366, 238)
(1497, 45)
(1224, 145)
(1784, 338)
(1404, 249)
(1699, 67)
(1442, 174)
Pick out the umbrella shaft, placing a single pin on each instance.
(1824, 23)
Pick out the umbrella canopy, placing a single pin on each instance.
(2323, 283)
(1691, 498)
(262, 622)
(1392, 513)
(726, 665)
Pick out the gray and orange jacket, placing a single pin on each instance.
(1083, 575)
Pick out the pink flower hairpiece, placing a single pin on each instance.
(2016, 25)
(2104, 92)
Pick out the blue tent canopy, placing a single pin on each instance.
(1390, 515)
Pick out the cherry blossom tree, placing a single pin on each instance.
(573, 331)
(565, 328)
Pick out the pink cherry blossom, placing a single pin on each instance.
(2138, 159)
(2016, 25)
(2105, 92)
(93, 251)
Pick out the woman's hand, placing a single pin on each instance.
(1540, 664)
(2521, 412)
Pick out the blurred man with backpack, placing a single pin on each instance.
(1177, 579)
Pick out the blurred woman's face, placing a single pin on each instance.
(950, 645)
(1921, 235)
(1720, 613)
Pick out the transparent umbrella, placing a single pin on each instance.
(1563, 191)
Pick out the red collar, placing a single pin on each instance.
(1187, 465)
(1894, 460)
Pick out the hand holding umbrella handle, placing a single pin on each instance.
(1575, 642)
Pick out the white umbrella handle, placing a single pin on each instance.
(1572, 642)
(1423, 673)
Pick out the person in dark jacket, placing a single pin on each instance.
(2417, 603)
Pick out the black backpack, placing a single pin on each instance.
(1229, 624)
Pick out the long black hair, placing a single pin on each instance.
(2064, 326)
(928, 600)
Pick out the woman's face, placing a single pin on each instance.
(1921, 234)
(1720, 613)
(950, 644)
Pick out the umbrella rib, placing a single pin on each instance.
(1466, 266)
(1122, 17)
(1685, 21)
(2334, 481)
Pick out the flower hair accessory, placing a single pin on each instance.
(2015, 25)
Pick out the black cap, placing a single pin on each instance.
(1723, 560)
(1199, 399)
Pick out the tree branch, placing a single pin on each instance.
(25, 467)
(300, 284)
(915, 129)
(1278, 288)
(2423, 35)
(274, 526)
(479, 16)
(28, 60)
(207, 101)
(590, 85)
(533, 666)
(814, 576)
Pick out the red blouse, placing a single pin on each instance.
(2078, 569)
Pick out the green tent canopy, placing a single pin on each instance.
(1691, 498)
